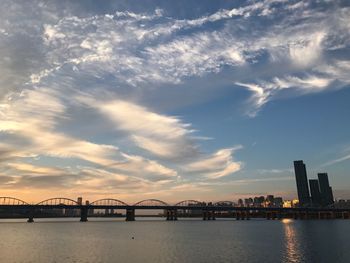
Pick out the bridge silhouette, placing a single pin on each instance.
(11, 207)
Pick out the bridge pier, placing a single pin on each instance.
(130, 215)
(84, 214)
(273, 217)
(31, 216)
(320, 215)
(175, 215)
(279, 215)
(30, 219)
(333, 215)
(209, 215)
(205, 214)
(268, 215)
(238, 215)
(168, 215)
(171, 215)
(295, 216)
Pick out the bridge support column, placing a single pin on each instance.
(307, 215)
(205, 214)
(319, 215)
(333, 215)
(238, 215)
(324, 215)
(130, 215)
(174, 214)
(30, 219)
(209, 215)
(345, 215)
(295, 215)
(171, 215)
(84, 214)
(268, 215)
(30, 215)
(279, 215)
(168, 215)
(273, 215)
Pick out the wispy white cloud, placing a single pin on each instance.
(265, 90)
(163, 136)
(338, 160)
(217, 165)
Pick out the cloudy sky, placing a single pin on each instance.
(208, 100)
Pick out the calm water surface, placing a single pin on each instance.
(180, 241)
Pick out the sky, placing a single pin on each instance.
(174, 100)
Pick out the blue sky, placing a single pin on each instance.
(208, 100)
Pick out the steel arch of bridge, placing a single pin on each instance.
(151, 202)
(189, 203)
(58, 201)
(224, 203)
(109, 201)
(6, 200)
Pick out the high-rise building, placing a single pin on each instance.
(326, 190)
(316, 199)
(331, 197)
(302, 183)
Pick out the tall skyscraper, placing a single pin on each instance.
(302, 183)
(316, 199)
(326, 190)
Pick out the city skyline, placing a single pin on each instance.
(162, 99)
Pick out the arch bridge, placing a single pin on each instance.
(11, 206)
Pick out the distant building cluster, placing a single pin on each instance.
(261, 201)
(341, 203)
(319, 194)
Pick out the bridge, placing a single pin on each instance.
(11, 207)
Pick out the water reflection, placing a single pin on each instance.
(185, 241)
(292, 244)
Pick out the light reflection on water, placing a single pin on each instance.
(156, 240)
(292, 244)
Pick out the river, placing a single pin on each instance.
(154, 240)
